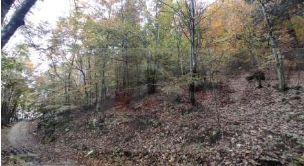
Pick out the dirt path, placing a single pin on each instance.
(18, 145)
(21, 148)
(19, 135)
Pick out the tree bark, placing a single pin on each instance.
(275, 50)
(4, 113)
(90, 80)
(102, 89)
(126, 65)
(16, 21)
(69, 81)
(84, 79)
(5, 6)
(193, 63)
(179, 56)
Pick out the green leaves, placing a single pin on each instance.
(14, 82)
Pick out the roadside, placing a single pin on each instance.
(20, 147)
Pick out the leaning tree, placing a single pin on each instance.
(16, 20)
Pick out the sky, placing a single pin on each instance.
(46, 11)
(50, 11)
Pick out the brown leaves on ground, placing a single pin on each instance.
(257, 127)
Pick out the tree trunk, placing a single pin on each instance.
(84, 80)
(66, 92)
(85, 88)
(275, 50)
(90, 81)
(16, 21)
(103, 83)
(102, 88)
(96, 88)
(5, 6)
(179, 56)
(126, 65)
(193, 63)
(69, 87)
(149, 75)
(4, 113)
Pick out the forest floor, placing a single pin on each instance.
(237, 124)
(20, 147)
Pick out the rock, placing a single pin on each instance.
(301, 118)
(171, 160)
(137, 106)
(94, 122)
(247, 152)
(89, 153)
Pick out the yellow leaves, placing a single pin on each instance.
(29, 65)
(297, 23)
(291, 30)
(226, 19)
(225, 25)
(217, 24)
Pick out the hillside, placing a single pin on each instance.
(152, 82)
(257, 127)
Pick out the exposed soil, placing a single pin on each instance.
(20, 147)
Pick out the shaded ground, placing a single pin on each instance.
(234, 125)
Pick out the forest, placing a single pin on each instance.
(153, 82)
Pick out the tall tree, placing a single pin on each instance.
(193, 56)
(273, 13)
(188, 17)
(274, 46)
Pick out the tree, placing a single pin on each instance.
(17, 19)
(273, 12)
(193, 57)
(274, 46)
(14, 85)
(5, 6)
(188, 17)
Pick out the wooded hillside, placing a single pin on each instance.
(160, 82)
